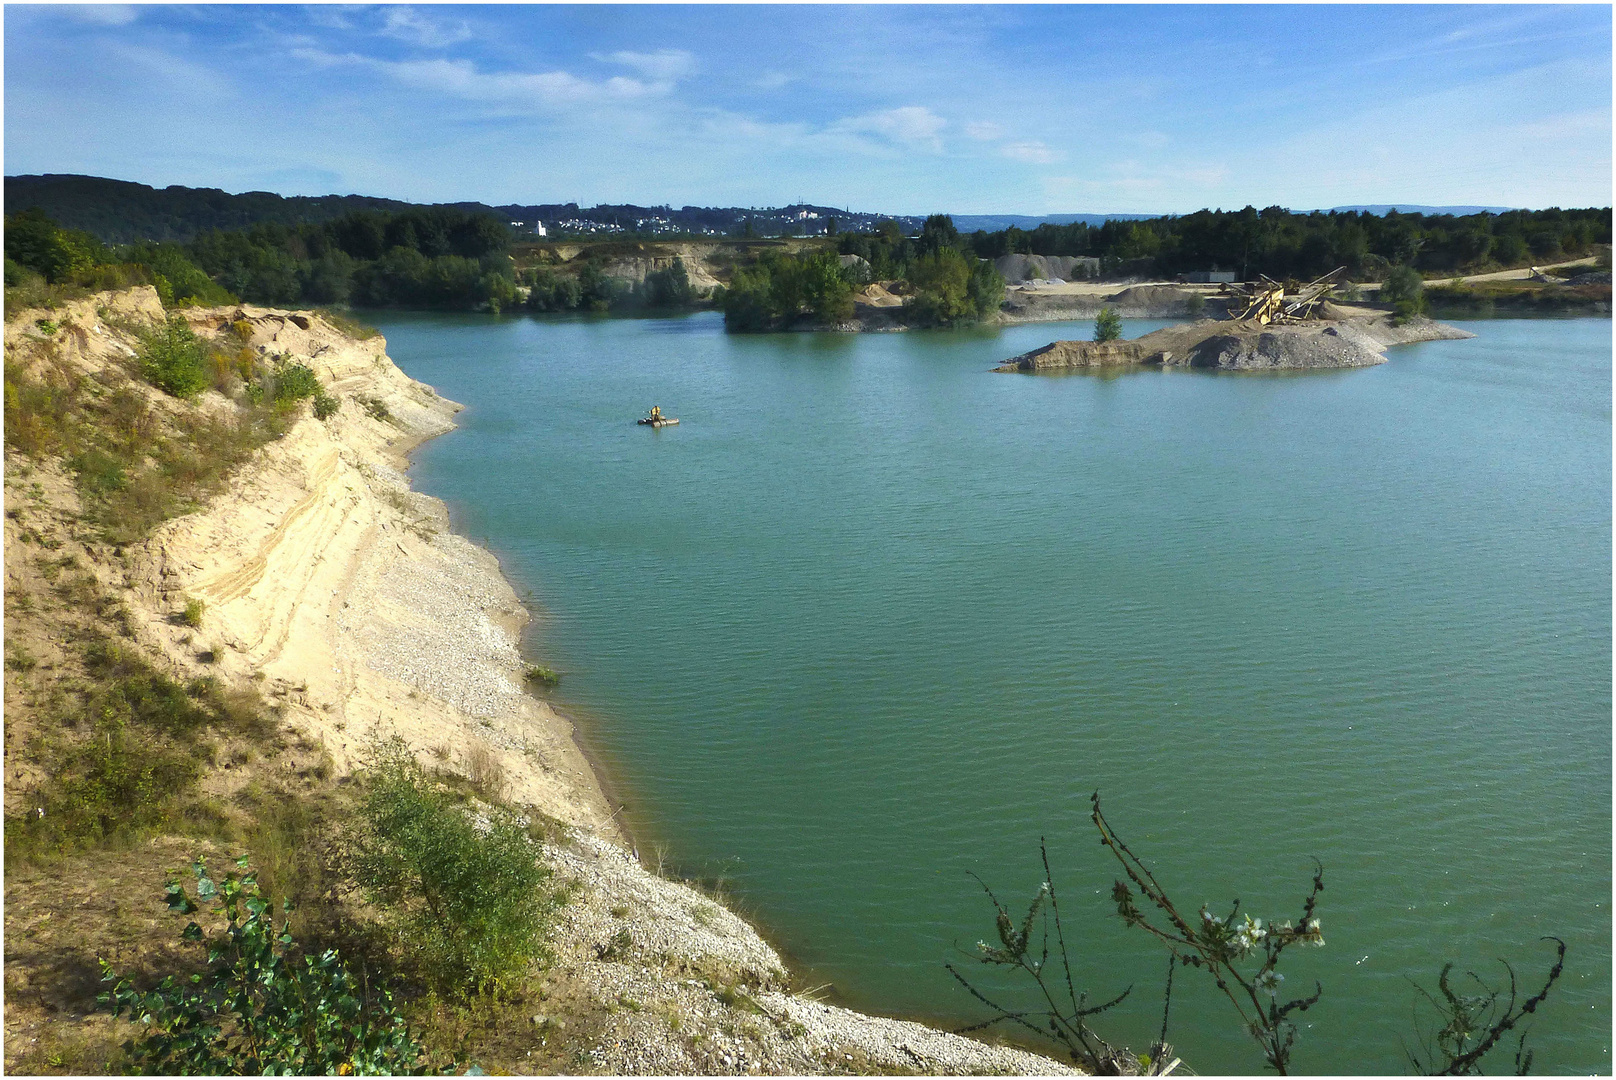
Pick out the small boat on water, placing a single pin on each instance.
(657, 420)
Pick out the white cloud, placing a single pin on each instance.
(665, 65)
(99, 14)
(910, 125)
(1034, 153)
(772, 80)
(408, 24)
(983, 130)
(462, 79)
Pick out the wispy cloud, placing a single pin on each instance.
(410, 25)
(911, 126)
(462, 79)
(983, 130)
(100, 14)
(1034, 153)
(665, 65)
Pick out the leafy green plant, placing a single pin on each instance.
(542, 675)
(465, 892)
(325, 405)
(1107, 325)
(260, 1007)
(192, 615)
(294, 382)
(173, 360)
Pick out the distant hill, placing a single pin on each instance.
(121, 212)
(1000, 222)
(1382, 209)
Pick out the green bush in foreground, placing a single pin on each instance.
(259, 1009)
(465, 891)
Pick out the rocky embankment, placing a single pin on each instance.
(341, 595)
(1351, 337)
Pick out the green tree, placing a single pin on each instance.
(37, 242)
(670, 287)
(942, 281)
(1404, 289)
(1107, 325)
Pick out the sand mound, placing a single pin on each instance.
(1021, 268)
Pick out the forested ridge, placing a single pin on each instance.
(356, 251)
(1282, 244)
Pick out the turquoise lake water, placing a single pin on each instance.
(873, 618)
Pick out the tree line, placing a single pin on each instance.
(950, 285)
(432, 258)
(1282, 244)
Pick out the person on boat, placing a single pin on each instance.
(656, 412)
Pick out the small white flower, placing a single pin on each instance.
(1269, 981)
(1251, 934)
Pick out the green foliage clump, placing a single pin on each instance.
(779, 291)
(542, 675)
(465, 891)
(46, 263)
(261, 1006)
(325, 406)
(1107, 325)
(669, 288)
(549, 291)
(1404, 289)
(192, 615)
(953, 288)
(294, 382)
(179, 281)
(173, 360)
(37, 243)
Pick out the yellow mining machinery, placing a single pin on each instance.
(1265, 300)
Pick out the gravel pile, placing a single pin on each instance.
(444, 643)
(684, 986)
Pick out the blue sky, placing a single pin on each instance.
(903, 109)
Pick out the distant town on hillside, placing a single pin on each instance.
(121, 212)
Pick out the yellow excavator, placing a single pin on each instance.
(1265, 300)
